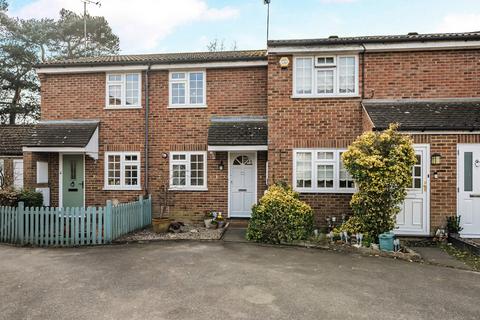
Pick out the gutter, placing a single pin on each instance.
(147, 128)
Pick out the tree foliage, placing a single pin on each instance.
(219, 45)
(381, 165)
(27, 42)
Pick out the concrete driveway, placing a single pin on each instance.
(217, 280)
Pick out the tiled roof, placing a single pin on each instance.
(425, 115)
(12, 137)
(74, 134)
(162, 58)
(411, 37)
(241, 131)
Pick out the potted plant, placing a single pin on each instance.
(220, 220)
(453, 225)
(162, 223)
(208, 219)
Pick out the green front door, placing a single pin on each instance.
(73, 184)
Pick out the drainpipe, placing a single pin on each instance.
(147, 129)
(363, 70)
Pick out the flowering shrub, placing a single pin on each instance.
(280, 216)
(381, 165)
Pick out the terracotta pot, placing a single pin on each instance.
(160, 225)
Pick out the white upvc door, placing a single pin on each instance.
(242, 181)
(468, 188)
(414, 217)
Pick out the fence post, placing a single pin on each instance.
(142, 210)
(108, 222)
(20, 222)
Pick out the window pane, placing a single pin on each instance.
(325, 81)
(417, 173)
(346, 180)
(115, 95)
(196, 88)
(114, 77)
(132, 92)
(322, 155)
(346, 74)
(179, 157)
(196, 169)
(113, 170)
(325, 175)
(468, 171)
(179, 174)
(178, 93)
(303, 72)
(178, 75)
(304, 170)
(131, 175)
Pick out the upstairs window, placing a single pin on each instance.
(324, 76)
(321, 171)
(187, 89)
(123, 90)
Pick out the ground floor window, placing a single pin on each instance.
(122, 170)
(321, 170)
(188, 170)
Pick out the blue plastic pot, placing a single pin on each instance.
(386, 241)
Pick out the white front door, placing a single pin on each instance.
(414, 216)
(468, 187)
(243, 180)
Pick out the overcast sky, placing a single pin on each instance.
(146, 26)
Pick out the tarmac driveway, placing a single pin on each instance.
(217, 280)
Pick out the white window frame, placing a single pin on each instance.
(187, 163)
(315, 67)
(123, 163)
(315, 161)
(123, 90)
(186, 81)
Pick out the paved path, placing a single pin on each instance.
(221, 280)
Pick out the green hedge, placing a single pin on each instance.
(11, 197)
(280, 217)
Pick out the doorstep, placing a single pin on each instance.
(235, 235)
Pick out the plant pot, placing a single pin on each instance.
(212, 226)
(161, 225)
(221, 224)
(208, 223)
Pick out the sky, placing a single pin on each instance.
(149, 26)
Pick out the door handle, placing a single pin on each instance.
(242, 190)
(475, 195)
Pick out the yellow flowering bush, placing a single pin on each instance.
(280, 217)
(381, 165)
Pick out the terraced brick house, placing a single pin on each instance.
(210, 131)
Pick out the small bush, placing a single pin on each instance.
(10, 197)
(280, 217)
(31, 198)
(353, 225)
(453, 224)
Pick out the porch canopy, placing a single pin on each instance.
(425, 115)
(238, 133)
(71, 136)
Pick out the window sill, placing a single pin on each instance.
(187, 189)
(122, 107)
(348, 191)
(189, 106)
(122, 189)
(335, 96)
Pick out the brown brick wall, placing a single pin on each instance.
(422, 74)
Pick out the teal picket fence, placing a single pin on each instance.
(72, 226)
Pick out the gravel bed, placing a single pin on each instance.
(188, 232)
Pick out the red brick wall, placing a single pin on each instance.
(235, 91)
(422, 74)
